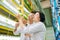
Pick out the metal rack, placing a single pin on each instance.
(55, 5)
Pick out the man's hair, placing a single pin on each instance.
(34, 12)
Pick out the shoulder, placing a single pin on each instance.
(41, 23)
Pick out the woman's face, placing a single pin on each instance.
(36, 17)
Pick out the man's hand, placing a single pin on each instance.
(15, 29)
(16, 25)
(21, 22)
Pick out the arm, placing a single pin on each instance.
(15, 30)
(16, 26)
(35, 28)
(18, 29)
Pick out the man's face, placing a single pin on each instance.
(30, 17)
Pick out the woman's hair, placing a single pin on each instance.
(42, 16)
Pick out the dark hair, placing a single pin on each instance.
(34, 12)
(42, 17)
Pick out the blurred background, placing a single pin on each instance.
(9, 9)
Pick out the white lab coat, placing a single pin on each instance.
(37, 31)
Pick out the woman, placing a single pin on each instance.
(35, 31)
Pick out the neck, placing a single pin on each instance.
(30, 22)
(37, 21)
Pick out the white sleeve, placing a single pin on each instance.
(19, 30)
(34, 28)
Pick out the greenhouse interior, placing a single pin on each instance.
(10, 8)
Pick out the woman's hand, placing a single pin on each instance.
(28, 35)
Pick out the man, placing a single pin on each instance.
(17, 31)
(17, 27)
